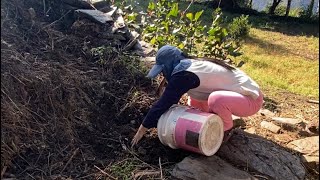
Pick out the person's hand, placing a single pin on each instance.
(141, 131)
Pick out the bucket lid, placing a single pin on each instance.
(211, 135)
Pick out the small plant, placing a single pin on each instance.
(239, 28)
(103, 53)
(124, 169)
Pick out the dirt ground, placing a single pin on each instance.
(65, 116)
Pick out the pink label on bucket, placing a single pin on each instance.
(198, 112)
(187, 134)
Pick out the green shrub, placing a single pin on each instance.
(239, 27)
(166, 24)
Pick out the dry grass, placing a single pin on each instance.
(280, 61)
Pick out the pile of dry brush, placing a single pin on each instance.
(57, 101)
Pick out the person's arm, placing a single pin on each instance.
(178, 84)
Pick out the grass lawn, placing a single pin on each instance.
(280, 61)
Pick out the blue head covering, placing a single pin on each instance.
(169, 60)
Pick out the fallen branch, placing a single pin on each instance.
(74, 153)
(103, 172)
(3, 171)
(161, 176)
(313, 101)
(145, 173)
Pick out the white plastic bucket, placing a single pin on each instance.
(191, 129)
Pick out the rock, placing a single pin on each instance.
(94, 15)
(102, 5)
(201, 168)
(270, 126)
(261, 155)
(307, 146)
(112, 11)
(251, 130)
(290, 121)
(285, 138)
(266, 112)
(119, 23)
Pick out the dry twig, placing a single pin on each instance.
(103, 172)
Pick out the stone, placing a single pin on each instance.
(284, 138)
(290, 121)
(308, 146)
(200, 168)
(119, 23)
(261, 155)
(94, 15)
(102, 5)
(266, 112)
(270, 126)
(112, 11)
(251, 130)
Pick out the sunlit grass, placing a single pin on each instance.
(280, 61)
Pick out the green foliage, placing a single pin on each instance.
(280, 10)
(296, 12)
(239, 27)
(166, 24)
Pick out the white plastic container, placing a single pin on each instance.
(191, 129)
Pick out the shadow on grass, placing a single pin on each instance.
(270, 48)
(288, 26)
(292, 26)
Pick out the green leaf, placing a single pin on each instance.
(153, 40)
(198, 14)
(212, 31)
(132, 16)
(189, 16)
(174, 10)
(224, 32)
(151, 6)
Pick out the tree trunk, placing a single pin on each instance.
(273, 7)
(310, 8)
(288, 8)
